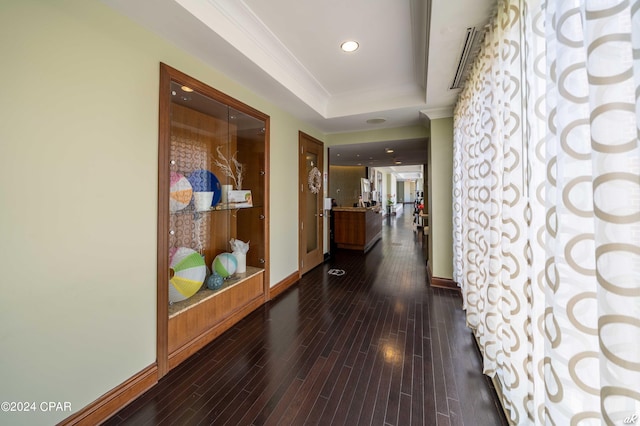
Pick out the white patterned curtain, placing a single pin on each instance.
(547, 209)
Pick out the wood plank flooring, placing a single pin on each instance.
(375, 346)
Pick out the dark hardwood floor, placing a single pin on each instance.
(375, 346)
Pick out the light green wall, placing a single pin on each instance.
(440, 171)
(78, 194)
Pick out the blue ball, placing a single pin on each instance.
(214, 282)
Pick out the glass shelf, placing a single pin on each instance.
(218, 208)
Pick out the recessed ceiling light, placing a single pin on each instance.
(388, 150)
(398, 162)
(349, 46)
(377, 120)
(187, 89)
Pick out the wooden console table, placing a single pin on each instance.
(357, 228)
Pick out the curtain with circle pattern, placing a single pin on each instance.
(546, 208)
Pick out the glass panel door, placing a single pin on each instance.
(311, 222)
(310, 212)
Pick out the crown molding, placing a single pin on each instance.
(234, 22)
(436, 113)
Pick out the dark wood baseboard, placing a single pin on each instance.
(109, 403)
(283, 285)
(446, 283)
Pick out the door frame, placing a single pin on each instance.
(308, 261)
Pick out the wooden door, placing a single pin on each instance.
(310, 213)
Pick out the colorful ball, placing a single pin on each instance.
(225, 264)
(180, 192)
(188, 272)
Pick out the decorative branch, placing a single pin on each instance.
(239, 171)
(226, 167)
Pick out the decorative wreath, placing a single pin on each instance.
(315, 180)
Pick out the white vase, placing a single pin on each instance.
(242, 261)
(202, 201)
(225, 193)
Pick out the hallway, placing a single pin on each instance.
(375, 345)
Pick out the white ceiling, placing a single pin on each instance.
(289, 52)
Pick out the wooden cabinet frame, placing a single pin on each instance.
(211, 317)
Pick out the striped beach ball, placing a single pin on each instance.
(225, 264)
(187, 272)
(180, 192)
